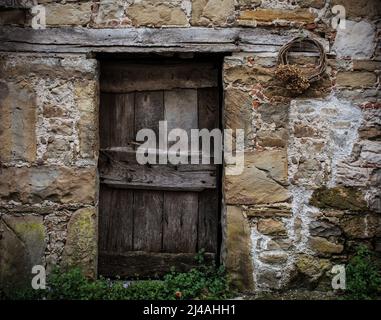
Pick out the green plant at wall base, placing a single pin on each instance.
(202, 282)
(363, 276)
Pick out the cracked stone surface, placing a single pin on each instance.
(22, 246)
(263, 180)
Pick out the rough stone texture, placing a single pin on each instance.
(87, 101)
(367, 65)
(238, 112)
(22, 245)
(273, 257)
(271, 227)
(311, 268)
(156, 13)
(324, 229)
(324, 247)
(356, 79)
(212, 12)
(262, 181)
(269, 16)
(110, 13)
(17, 122)
(238, 261)
(58, 14)
(310, 191)
(356, 40)
(360, 8)
(317, 4)
(48, 183)
(343, 198)
(360, 226)
(49, 139)
(81, 248)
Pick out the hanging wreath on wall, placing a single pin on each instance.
(291, 75)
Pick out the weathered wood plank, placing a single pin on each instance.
(208, 220)
(180, 222)
(144, 39)
(116, 118)
(146, 264)
(128, 156)
(115, 219)
(155, 177)
(148, 217)
(125, 77)
(180, 108)
(208, 108)
(106, 102)
(149, 106)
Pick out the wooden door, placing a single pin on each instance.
(154, 217)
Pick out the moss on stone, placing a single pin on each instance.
(24, 229)
(80, 247)
(342, 198)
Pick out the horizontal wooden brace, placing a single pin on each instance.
(194, 39)
(145, 264)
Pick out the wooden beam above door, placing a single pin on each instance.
(194, 39)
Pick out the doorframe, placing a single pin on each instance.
(190, 56)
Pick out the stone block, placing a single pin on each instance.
(359, 79)
(311, 268)
(22, 246)
(343, 198)
(269, 279)
(273, 257)
(360, 226)
(86, 95)
(212, 12)
(58, 184)
(238, 260)
(367, 65)
(18, 118)
(81, 243)
(325, 247)
(269, 16)
(271, 227)
(263, 180)
(272, 138)
(69, 13)
(269, 211)
(324, 229)
(156, 13)
(238, 113)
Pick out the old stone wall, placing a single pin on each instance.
(48, 157)
(310, 190)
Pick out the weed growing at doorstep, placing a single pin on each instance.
(363, 276)
(202, 282)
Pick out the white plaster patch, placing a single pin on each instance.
(356, 40)
(332, 127)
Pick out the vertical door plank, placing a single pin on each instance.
(123, 121)
(148, 110)
(180, 222)
(106, 104)
(208, 111)
(208, 108)
(148, 216)
(104, 228)
(208, 220)
(116, 219)
(181, 109)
